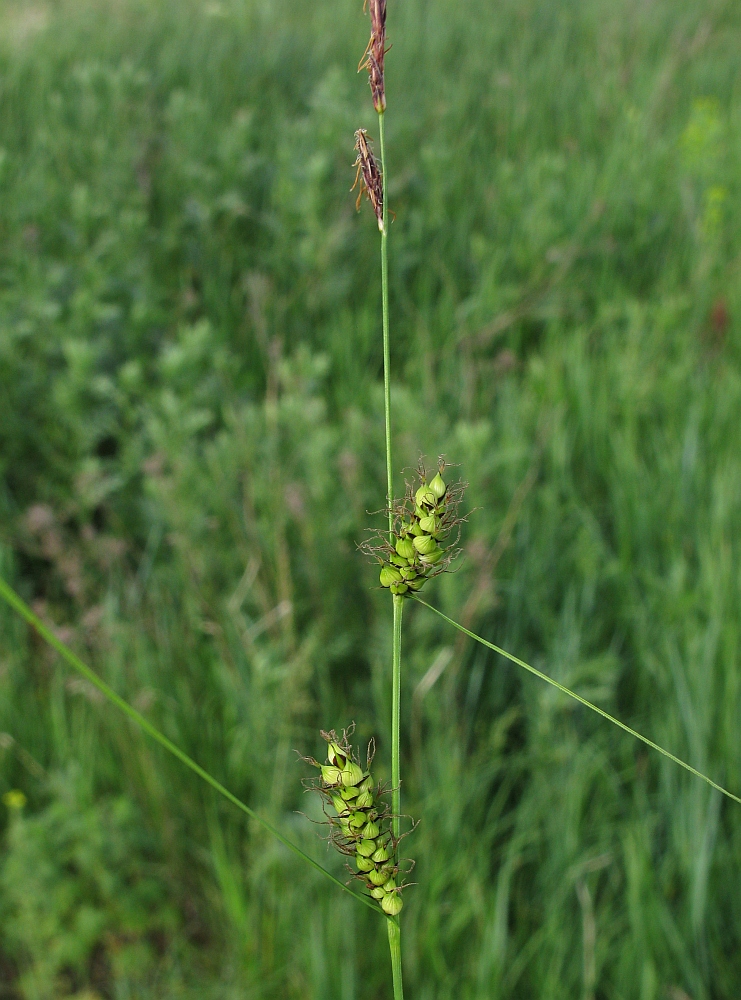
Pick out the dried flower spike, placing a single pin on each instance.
(368, 175)
(425, 535)
(373, 57)
(359, 819)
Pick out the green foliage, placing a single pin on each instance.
(82, 895)
(191, 434)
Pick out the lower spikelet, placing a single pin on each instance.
(359, 819)
(368, 176)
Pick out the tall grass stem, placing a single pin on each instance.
(386, 339)
(394, 929)
(395, 714)
(395, 947)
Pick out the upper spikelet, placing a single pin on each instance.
(374, 55)
(424, 537)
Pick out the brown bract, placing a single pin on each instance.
(373, 57)
(368, 176)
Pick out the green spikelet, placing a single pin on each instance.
(364, 800)
(377, 876)
(405, 548)
(389, 576)
(426, 531)
(438, 487)
(392, 903)
(360, 820)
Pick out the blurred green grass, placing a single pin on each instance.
(191, 429)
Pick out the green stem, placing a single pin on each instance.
(395, 703)
(395, 948)
(394, 929)
(386, 341)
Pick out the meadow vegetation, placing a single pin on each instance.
(191, 436)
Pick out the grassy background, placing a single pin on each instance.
(191, 435)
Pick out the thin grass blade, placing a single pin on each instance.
(20, 606)
(583, 701)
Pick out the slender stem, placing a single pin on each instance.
(394, 929)
(395, 947)
(386, 347)
(395, 703)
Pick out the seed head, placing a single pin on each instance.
(425, 534)
(359, 819)
(373, 57)
(368, 176)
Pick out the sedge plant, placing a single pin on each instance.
(419, 543)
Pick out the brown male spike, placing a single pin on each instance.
(373, 57)
(368, 176)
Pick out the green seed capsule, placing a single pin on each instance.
(425, 495)
(416, 584)
(392, 903)
(349, 793)
(371, 831)
(364, 800)
(399, 588)
(363, 864)
(399, 561)
(377, 892)
(390, 885)
(379, 855)
(438, 487)
(339, 803)
(378, 877)
(336, 756)
(430, 558)
(389, 575)
(351, 774)
(405, 548)
(429, 524)
(330, 774)
(358, 819)
(424, 544)
(367, 785)
(367, 848)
